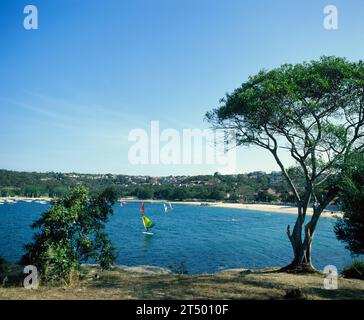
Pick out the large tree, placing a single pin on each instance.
(314, 112)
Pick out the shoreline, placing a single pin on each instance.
(4, 199)
(273, 208)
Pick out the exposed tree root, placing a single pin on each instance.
(299, 269)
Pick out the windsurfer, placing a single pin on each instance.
(145, 227)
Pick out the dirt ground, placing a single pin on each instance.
(233, 284)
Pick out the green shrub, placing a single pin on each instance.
(70, 233)
(354, 271)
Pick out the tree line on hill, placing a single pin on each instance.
(256, 186)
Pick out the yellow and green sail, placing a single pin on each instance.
(147, 223)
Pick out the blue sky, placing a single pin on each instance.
(71, 91)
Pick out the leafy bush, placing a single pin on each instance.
(350, 228)
(354, 271)
(70, 233)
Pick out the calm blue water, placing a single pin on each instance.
(202, 239)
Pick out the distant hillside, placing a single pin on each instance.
(254, 186)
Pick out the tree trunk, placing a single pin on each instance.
(302, 261)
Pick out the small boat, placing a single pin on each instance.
(122, 203)
(41, 201)
(167, 207)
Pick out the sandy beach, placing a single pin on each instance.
(275, 208)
